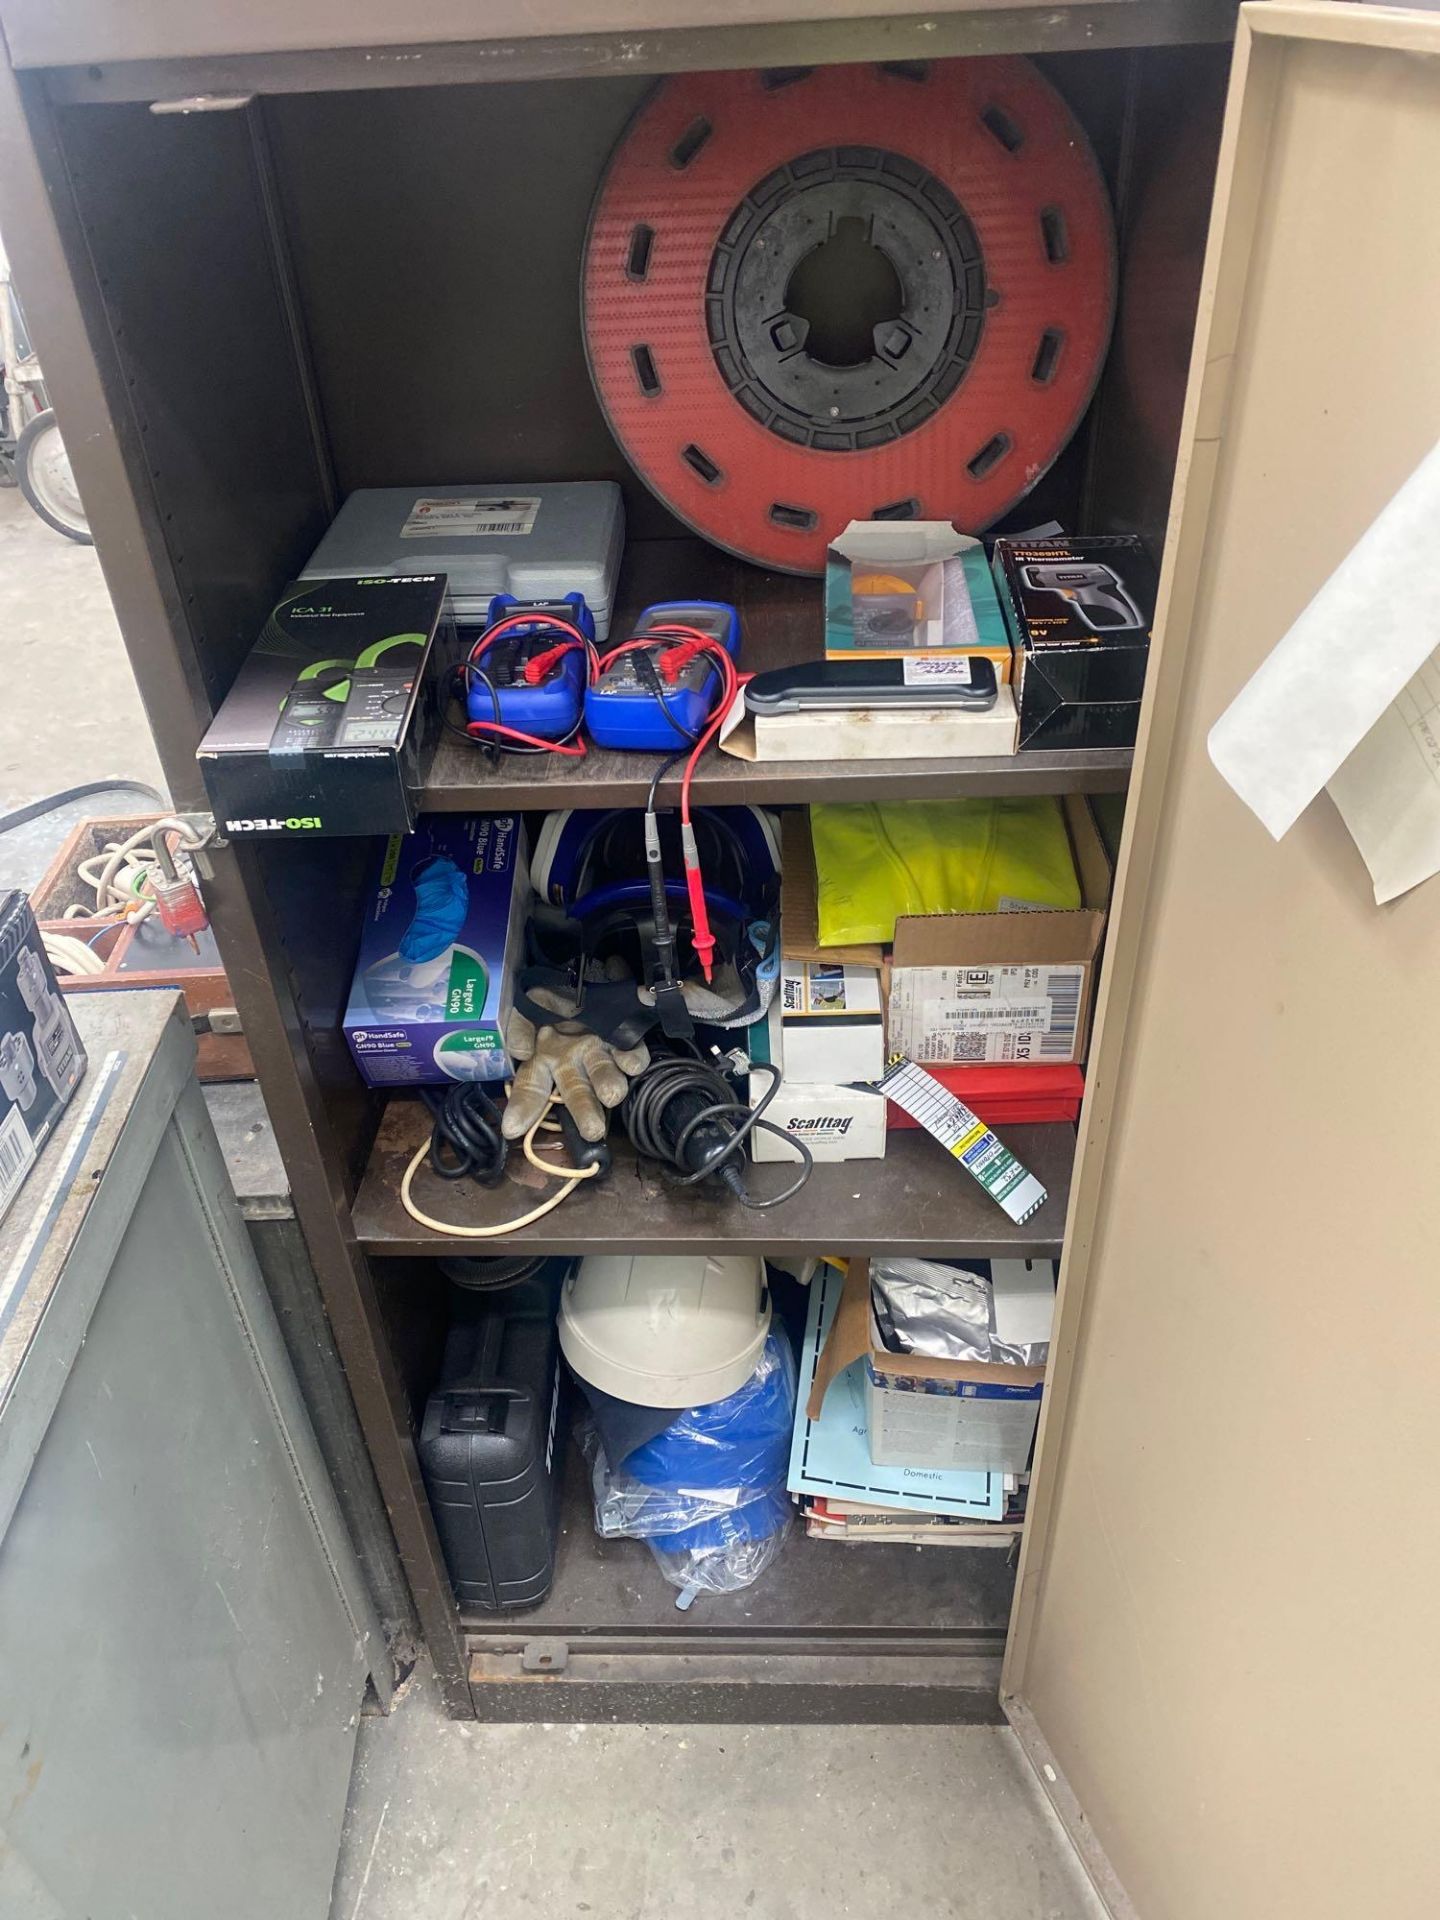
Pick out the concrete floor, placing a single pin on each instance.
(70, 711)
(453, 1821)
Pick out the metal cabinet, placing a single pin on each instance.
(1203, 1655)
(185, 1641)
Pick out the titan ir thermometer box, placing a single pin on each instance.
(445, 914)
(41, 1058)
(1079, 614)
(331, 722)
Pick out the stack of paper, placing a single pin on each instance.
(845, 1496)
(849, 1523)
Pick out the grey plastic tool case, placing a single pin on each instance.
(537, 541)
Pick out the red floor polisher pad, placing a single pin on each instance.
(738, 400)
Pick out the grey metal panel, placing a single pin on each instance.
(290, 1283)
(180, 1670)
(84, 31)
(252, 1154)
(145, 1051)
(315, 1147)
(262, 1192)
(233, 1260)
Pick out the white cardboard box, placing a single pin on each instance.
(832, 1022)
(835, 1122)
(950, 1413)
(876, 733)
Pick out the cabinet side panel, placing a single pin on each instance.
(1230, 1611)
(193, 272)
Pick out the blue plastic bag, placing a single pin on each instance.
(708, 1493)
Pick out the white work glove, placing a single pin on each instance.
(586, 1072)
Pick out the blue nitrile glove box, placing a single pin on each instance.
(445, 911)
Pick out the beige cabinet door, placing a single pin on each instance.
(1226, 1651)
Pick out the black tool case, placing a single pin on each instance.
(493, 1442)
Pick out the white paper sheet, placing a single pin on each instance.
(1388, 791)
(1024, 1294)
(1353, 650)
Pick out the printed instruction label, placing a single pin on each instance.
(970, 1016)
(948, 1120)
(819, 988)
(950, 669)
(17, 1155)
(484, 515)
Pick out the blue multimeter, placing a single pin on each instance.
(550, 707)
(633, 704)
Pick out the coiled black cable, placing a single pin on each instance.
(465, 1137)
(482, 1273)
(682, 1111)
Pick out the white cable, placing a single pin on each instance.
(572, 1181)
(120, 872)
(68, 955)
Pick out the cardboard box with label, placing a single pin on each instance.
(830, 1453)
(332, 720)
(968, 989)
(445, 916)
(835, 1121)
(944, 1415)
(1079, 613)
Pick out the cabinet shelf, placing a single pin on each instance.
(612, 1590)
(781, 623)
(910, 1202)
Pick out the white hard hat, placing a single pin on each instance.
(665, 1330)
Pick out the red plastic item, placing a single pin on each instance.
(491, 730)
(180, 907)
(726, 434)
(1007, 1096)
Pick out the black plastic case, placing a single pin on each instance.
(492, 1443)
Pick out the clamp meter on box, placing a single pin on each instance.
(659, 698)
(526, 673)
(344, 704)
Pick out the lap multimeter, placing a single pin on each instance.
(527, 672)
(659, 697)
